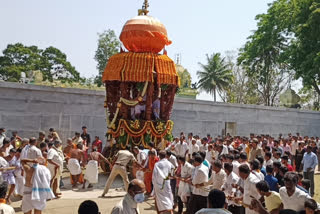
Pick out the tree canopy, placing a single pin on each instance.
(286, 42)
(108, 45)
(51, 62)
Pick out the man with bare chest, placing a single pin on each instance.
(68, 148)
(92, 169)
(33, 197)
(76, 158)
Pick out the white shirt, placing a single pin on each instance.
(236, 165)
(233, 178)
(141, 157)
(173, 160)
(6, 209)
(199, 143)
(203, 148)
(77, 140)
(295, 201)
(181, 149)
(193, 148)
(225, 150)
(24, 151)
(209, 156)
(259, 175)
(2, 137)
(217, 179)
(186, 170)
(294, 147)
(8, 150)
(269, 162)
(33, 152)
(200, 175)
(250, 190)
(3, 164)
(55, 157)
(318, 144)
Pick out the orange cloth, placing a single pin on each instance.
(248, 149)
(138, 67)
(148, 174)
(144, 34)
(81, 179)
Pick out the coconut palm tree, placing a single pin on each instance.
(215, 75)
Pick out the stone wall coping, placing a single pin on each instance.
(186, 101)
(51, 89)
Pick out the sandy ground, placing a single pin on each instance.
(72, 198)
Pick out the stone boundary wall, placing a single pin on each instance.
(30, 108)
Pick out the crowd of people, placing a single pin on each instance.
(31, 168)
(256, 174)
(225, 174)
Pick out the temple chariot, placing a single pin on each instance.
(141, 82)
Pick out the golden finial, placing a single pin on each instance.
(144, 10)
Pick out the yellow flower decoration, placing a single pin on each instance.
(135, 124)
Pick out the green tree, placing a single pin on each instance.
(55, 66)
(108, 45)
(215, 75)
(262, 57)
(287, 40)
(18, 58)
(51, 62)
(244, 88)
(304, 50)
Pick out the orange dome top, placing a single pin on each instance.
(144, 34)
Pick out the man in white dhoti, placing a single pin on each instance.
(19, 174)
(162, 172)
(55, 166)
(76, 157)
(37, 187)
(249, 191)
(184, 190)
(92, 169)
(141, 158)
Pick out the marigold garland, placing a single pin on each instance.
(147, 127)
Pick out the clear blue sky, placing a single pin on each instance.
(195, 27)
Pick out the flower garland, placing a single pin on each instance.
(146, 134)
